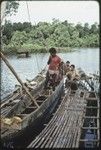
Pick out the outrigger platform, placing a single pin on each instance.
(75, 123)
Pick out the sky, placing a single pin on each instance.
(73, 11)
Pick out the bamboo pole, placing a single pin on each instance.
(17, 77)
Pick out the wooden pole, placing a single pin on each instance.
(19, 80)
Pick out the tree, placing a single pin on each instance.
(65, 23)
(55, 21)
(44, 35)
(8, 31)
(94, 28)
(19, 38)
(11, 7)
(86, 29)
(18, 26)
(79, 27)
(43, 27)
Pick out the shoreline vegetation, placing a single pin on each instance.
(44, 50)
(64, 36)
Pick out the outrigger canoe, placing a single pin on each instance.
(19, 113)
(24, 114)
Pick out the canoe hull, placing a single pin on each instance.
(35, 119)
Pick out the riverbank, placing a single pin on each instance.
(14, 50)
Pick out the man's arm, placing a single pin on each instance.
(49, 60)
(77, 75)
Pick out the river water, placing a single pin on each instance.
(28, 68)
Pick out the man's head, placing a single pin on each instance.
(52, 51)
(67, 63)
(72, 67)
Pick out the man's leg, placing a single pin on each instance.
(47, 79)
(53, 81)
(74, 85)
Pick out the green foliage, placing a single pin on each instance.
(42, 36)
(19, 38)
(11, 7)
(94, 28)
(10, 48)
(8, 31)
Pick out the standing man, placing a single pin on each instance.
(52, 75)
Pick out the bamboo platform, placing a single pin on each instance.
(63, 131)
(68, 123)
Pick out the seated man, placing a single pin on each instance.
(62, 68)
(67, 66)
(73, 73)
(72, 77)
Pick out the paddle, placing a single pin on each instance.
(17, 77)
(44, 68)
